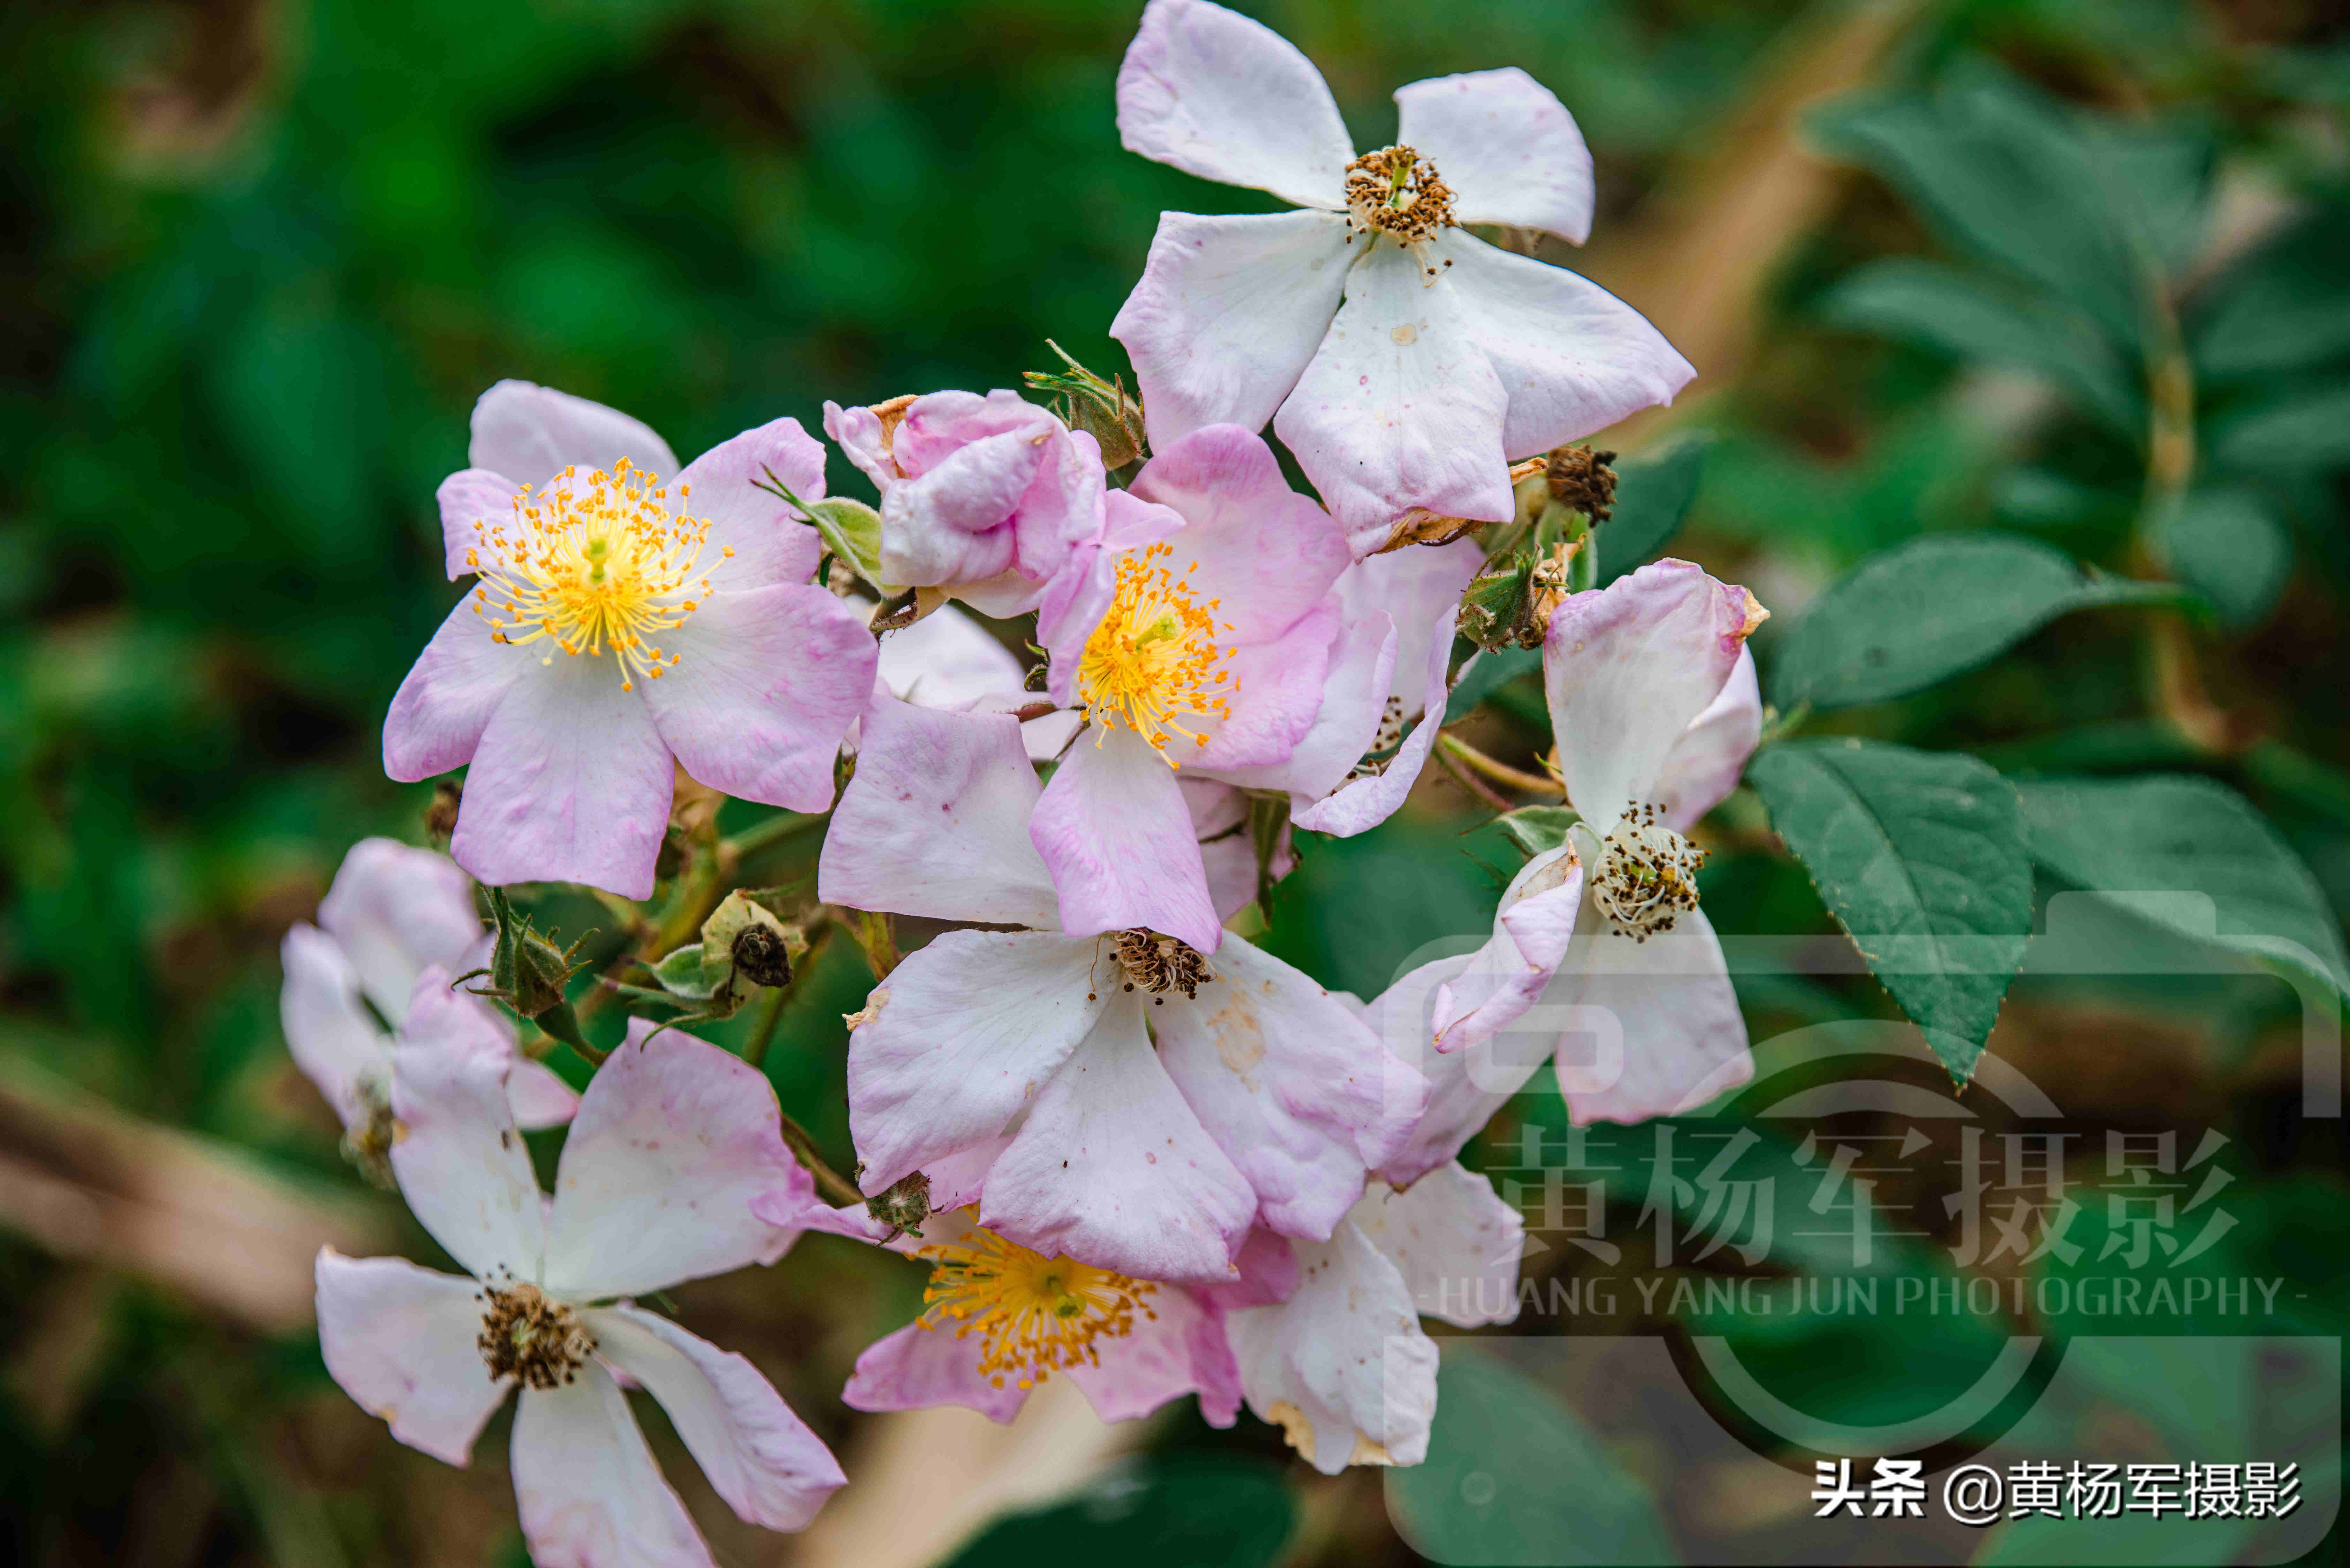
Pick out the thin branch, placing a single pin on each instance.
(835, 1186)
(1476, 786)
(1499, 771)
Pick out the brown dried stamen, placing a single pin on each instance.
(1581, 478)
(1159, 963)
(528, 1336)
(1647, 875)
(1397, 191)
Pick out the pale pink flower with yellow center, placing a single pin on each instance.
(673, 1140)
(1405, 362)
(624, 625)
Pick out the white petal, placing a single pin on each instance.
(1399, 408)
(1363, 805)
(395, 910)
(1531, 929)
(759, 1456)
(531, 433)
(1342, 1365)
(1707, 762)
(672, 1140)
(1455, 1242)
(460, 1159)
(539, 1097)
(1416, 588)
(401, 1341)
(589, 1490)
(935, 820)
(1570, 356)
(333, 1041)
(1659, 1032)
(1627, 669)
(1505, 147)
(946, 660)
(1217, 95)
(1465, 1086)
(964, 1034)
(1227, 314)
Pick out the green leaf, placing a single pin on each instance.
(1971, 315)
(1538, 829)
(2296, 434)
(2283, 307)
(2230, 546)
(1921, 857)
(1514, 1476)
(1653, 493)
(1489, 674)
(1929, 608)
(852, 530)
(1176, 1512)
(2175, 834)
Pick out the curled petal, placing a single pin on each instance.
(1364, 803)
(1531, 933)
(1706, 763)
(1455, 1242)
(395, 910)
(1465, 1086)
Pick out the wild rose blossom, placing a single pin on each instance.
(672, 1140)
(721, 658)
(392, 913)
(1403, 361)
(993, 497)
(1653, 702)
(1341, 1364)
(1222, 653)
(1029, 1054)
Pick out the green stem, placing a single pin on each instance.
(755, 1050)
(835, 1186)
(780, 828)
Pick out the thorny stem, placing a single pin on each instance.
(1499, 771)
(835, 1186)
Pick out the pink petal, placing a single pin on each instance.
(1112, 1169)
(1506, 148)
(1570, 356)
(1416, 587)
(395, 910)
(938, 424)
(1363, 805)
(469, 499)
(1267, 1272)
(1116, 837)
(1227, 314)
(965, 1031)
(674, 1139)
(590, 1493)
(1627, 669)
(918, 1367)
(571, 782)
(532, 433)
(1277, 693)
(1666, 1032)
(1400, 406)
(1531, 930)
(1217, 95)
(538, 1096)
(1345, 1356)
(760, 1457)
(722, 486)
(946, 660)
(401, 1342)
(1178, 1348)
(1071, 605)
(1354, 701)
(1465, 1086)
(1706, 763)
(766, 684)
(935, 820)
(1264, 556)
(441, 707)
(332, 1039)
(858, 430)
(1298, 1092)
(1456, 1244)
(951, 523)
(1227, 849)
(461, 1163)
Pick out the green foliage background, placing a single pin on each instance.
(262, 255)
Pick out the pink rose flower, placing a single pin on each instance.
(674, 1139)
(1403, 361)
(393, 914)
(624, 625)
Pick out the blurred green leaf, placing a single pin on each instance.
(2230, 546)
(1173, 1512)
(2175, 834)
(2303, 430)
(1929, 609)
(1538, 829)
(1653, 494)
(1514, 1476)
(2282, 309)
(1970, 315)
(1919, 856)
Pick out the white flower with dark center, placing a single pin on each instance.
(1404, 361)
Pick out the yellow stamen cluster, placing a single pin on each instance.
(1034, 1316)
(1153, 661)
(591, 563)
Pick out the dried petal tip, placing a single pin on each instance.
(441, 817)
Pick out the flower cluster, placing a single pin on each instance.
(1132, 1147)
